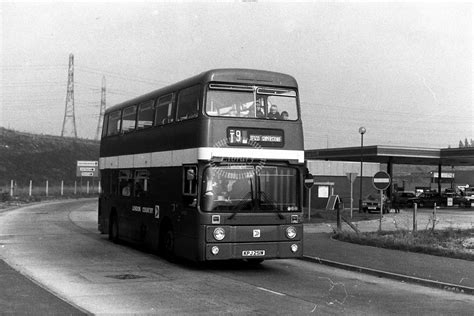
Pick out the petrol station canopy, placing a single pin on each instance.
(396, 155)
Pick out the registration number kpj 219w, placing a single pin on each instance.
(253, 253)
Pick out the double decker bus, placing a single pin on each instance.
(209, 168)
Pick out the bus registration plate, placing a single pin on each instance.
(253, 253)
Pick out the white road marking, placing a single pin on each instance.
(267, 290)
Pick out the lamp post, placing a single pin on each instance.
(362, 131)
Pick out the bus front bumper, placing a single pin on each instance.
(264, 250)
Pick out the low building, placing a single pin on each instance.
(331, 178)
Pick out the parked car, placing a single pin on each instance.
(427, 199)
(371, 203)
(468, 195)
(458, 199)
(402, 198)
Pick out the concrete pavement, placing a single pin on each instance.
(21, 296)
(425, 269)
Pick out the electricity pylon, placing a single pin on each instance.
(102, 110)
(69, 115)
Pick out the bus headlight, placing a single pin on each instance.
(291, 232)
(219, 233)
(294, 248)
(215, 250)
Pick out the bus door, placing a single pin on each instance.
(187, 217)
(142, 204)
(125, 209)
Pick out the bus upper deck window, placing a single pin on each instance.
(113, 125)
(145, 114)
(164, 110)
(104, 125)
(188, 103)
(129, 119)
(251, 102)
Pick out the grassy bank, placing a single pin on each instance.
(446, 243)
(24, 200)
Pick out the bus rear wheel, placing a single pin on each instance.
(114, 229)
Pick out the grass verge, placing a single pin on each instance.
(323, 216)
(446, 243)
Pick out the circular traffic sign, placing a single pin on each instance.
(381, 180)
(309, 181)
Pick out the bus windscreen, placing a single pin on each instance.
(249, 188)
(251, 102)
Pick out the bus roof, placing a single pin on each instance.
(228, 75)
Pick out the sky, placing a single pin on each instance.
(402, 70)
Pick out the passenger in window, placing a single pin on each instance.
(274, 115)
(284, 115)
(127, 189)
(139, 192)
(260, 112)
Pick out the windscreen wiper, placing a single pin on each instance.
(248, 197)
(268, 200)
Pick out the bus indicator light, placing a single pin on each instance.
(216, 219)
(215, 250)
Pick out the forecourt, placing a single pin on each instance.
(58, 246)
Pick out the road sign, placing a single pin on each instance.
(309, 181)
(381, 180)
(86, 163)
(86, 168)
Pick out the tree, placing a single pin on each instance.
(466, 143)
(461, 145)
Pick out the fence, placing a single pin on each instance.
(30, 190)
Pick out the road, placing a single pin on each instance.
(58, 246)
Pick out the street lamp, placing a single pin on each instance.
(362, 131)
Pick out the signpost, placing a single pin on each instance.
(381, 181)
(308, 183)
(87, 168)
(351, 176)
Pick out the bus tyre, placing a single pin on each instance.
(113, 229)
